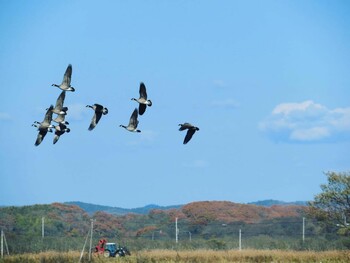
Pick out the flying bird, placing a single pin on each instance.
(143, 101)
(44, 126)
(59, 130)
(61, 119)
(99, 110)
(59, 109)
(190, 131)
(132, 127)
(65, 85)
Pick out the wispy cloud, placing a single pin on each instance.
(218, 83)
(5, 116)
(196, 164)
(77, 111)
(226, 103)
(307, 122)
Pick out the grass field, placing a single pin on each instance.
(197, 256)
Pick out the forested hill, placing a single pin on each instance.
(92, 208)
(71, 220)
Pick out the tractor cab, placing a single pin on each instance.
(110, 250)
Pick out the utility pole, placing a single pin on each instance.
(176, 231)
(240, 240)
(91, 230)
(42, 227)
(2, 243)
(303, 229)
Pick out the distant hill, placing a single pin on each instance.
(203, 219)
(271, 202)
(92, 208)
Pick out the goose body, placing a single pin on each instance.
(59, 130)
(99, 110)
(65, 85)
(44, 126)
(133, 122)
(59, 109)
(190, 131)
(143, 101)
(61, 119)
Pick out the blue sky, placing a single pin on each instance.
(267, 83)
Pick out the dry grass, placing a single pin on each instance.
(195, 256)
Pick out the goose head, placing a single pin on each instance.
(149, 103)
(105, 111)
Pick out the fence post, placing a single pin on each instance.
(2, 243)
(240, 240)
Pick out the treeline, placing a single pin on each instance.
(211, 225)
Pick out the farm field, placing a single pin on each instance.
(185, 256)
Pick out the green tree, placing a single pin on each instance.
(332, 205)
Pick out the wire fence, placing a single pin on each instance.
(288, 234)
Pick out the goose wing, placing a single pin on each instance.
(143, 93)
(48, 116)
(60, 100)
(40, 137)
(95, 119)
(67, 76)
(133, 119)
(185, 126)
(55, 138)
(189, 135)
(142, 108)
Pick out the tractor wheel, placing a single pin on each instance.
(106, 254)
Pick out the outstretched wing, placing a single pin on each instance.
(143, 93)
(67, 76)
(40, 136)
(142, 108)
(185, 126)
(133, 119)
(189, 135)
(48, 116)
(95, 119)
(60, 100)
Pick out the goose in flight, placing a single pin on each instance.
(99, 110)
(59, 109)
(132, 127)
(61, 119)
(65, 85)
(44, 126)
(59, 130)
(190, 131)
(143, 101)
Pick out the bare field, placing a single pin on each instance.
(200, 256)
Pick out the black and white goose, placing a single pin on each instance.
(61, 119)
(59, 109)
(99, 110)
(59, 130)
(65, 85)
(44, 126)
(190, 131)
(143, 101)
(132, 127)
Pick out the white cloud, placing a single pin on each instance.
(5, 116)
(307, 122)
(76, 111)
(227, 103)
